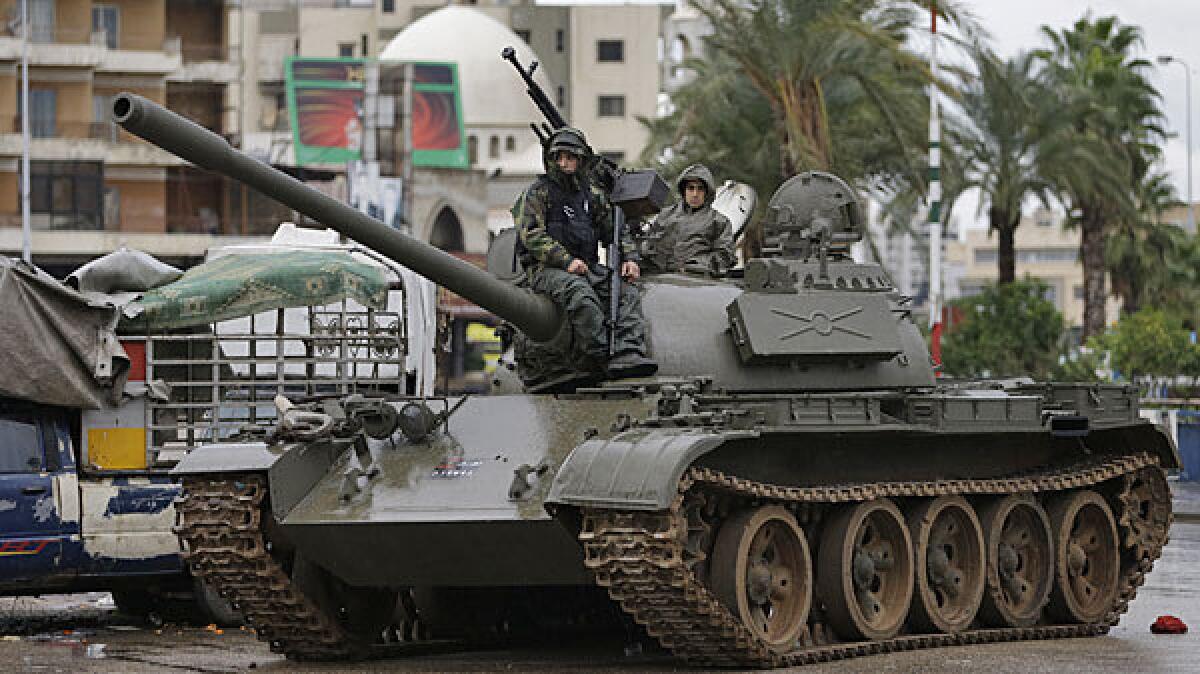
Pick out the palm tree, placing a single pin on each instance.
(1151, 262)
(808, 59)
(1092, 63)
(1016, 142)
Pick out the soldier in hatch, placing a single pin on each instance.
(561, 219)
(690, 234)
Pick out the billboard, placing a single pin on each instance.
(438, 138)
(325, 103)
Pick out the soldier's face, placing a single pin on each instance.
(694, 193)
(567, 162)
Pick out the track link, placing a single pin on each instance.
(640, 558)
(220, 523)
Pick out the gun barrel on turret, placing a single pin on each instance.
(534, 315)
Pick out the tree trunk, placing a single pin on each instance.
(1006, 249)
(1091, 252)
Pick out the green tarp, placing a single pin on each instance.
(244, 284)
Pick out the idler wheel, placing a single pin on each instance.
(1020, 561)
(949, 562)
(1086, 558)
(761, 570)
(364, 613)
(1145, 512)
(865, 570)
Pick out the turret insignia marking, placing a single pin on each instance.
(821, 322)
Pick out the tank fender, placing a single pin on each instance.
(228, 457)
(1165, 448)
(635, 470)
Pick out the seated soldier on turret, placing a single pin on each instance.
(561, 219)
(691, 235)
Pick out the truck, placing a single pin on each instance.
(108, 390)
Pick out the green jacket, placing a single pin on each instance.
(682, 236)
(529, 215)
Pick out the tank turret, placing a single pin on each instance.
(535, 316)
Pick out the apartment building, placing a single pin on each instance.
(93, 186)
(1044, 250)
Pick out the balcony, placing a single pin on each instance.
(82, 141)
(216, 63)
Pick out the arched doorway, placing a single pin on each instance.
(446, 233)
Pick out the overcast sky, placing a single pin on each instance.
(1168, 27)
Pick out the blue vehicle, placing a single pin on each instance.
(63, 529)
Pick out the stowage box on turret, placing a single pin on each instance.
(794, 485)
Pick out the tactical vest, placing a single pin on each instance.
(569, 221)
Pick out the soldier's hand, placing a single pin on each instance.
(630, 270)
(578, 267)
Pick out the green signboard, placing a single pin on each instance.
(325, 103)
(438, 138)
(326, 100)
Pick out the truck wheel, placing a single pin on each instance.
(213, 607)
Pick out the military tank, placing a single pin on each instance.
(795, 485)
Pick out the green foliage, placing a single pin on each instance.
(1151, 342)
(1007, 330)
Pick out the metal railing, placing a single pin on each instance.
(224, 380)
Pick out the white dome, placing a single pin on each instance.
(492, 92)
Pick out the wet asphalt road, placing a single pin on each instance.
(82, 633)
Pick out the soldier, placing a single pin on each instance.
(560, 220)
(691, 234)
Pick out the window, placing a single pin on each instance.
(562, 96)
(71, 193)
(22, 446)
(560, 40)
(610, 51)
(1078, 292)
(41, 21)
(525, 35)
(105, 24)
(389, 6)
(472, 150)
(102, 125)
(510, 144)
(494, 147)
(346, 49)
(43, 113)
(610, 106)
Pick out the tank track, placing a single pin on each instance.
(220, 523)
(640, 558)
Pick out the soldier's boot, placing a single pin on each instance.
(629, 365)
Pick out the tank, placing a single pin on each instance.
(795, 484)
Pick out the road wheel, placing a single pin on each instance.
(865, 570)
(949, 563)
(1086, 558)
(1020, 561)
(761, 570)
(364, 613)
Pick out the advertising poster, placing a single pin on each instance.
(325, 101)
(379, 197)
(438, 137)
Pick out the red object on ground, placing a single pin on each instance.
(1168, 624)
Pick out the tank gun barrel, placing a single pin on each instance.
(536, 316)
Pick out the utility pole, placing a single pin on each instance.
(935, 196)
(26, 223)
(1165, 59)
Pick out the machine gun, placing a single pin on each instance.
(635, 193)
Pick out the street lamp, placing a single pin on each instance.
(1164, 60)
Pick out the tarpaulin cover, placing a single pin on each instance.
(57, 346)
(242, 285)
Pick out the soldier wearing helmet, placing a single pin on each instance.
(561, 220)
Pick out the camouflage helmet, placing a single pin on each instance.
(570, 140)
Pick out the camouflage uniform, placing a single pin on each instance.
(562, 217)
(682, 237)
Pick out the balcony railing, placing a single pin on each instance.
(69, 129)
